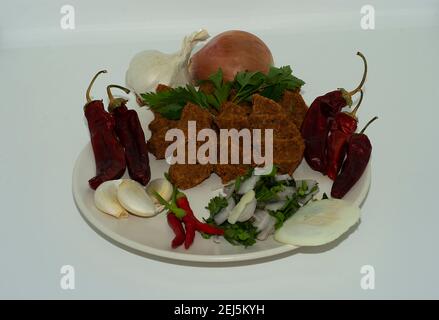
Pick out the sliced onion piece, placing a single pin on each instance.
(287, 192)
(283, 177)
(274, 206)
(248, 184)
(264, 224)
(248, 211)
(318, 223)
(222, 216)
(239, 208)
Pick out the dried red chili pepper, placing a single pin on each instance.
(131, 135)
(357, 157)
(343, 126)
(318, 120)
(108, 152)
(177, 227)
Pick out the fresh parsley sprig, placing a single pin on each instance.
(271, 85)
(171, 102)
(216, 204)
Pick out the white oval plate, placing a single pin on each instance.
(152, 236)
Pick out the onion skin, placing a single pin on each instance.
(232, 51)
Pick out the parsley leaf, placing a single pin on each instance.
(271, 85)
(265, 194)
(171, 102)
(289, 208)
(216, 204)
(240, 233)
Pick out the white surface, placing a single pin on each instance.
(152, 237)
(42, 133)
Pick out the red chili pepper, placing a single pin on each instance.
(357, 157)
(191, 227)
(192, 224)
(318, 121)
(177, 227)
(344, 125)
(108, 152)
(183, 203)
(131, 135)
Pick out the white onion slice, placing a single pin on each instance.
(318, 223)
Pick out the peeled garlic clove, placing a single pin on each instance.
(133, 197)
(241, 206)
(318, 223)
(162, 186)
(106, 199)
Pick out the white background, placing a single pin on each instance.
(43, 74)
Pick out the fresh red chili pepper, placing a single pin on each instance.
(318, 121)
(343, 126)
(131, 135)
(191, 223)
(177, 227)
(108, 152)
(179, 206)
(358, 154)
(191, 227)
(183, 203)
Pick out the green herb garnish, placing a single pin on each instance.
(240, 233)
(216, 204)
(170, 103)
(289, 208)
(271, 85)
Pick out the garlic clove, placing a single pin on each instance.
(162, 186)
(133, 197)
(105, 198)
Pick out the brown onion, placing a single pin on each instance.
(232, 51)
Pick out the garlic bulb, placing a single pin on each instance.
(151, 67)
(106, 199)
(133, 197)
